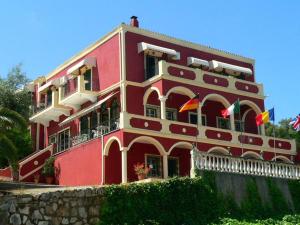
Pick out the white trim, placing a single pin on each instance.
(181, 90)
(156, 107)
(174, 111)
(146, 47)
(253, 154)
(54, 82)
(148, 140)
(217, 149)
(89, 62)
(217, 98)
(180, 144)
(109, 143)
(283, 158)
(191, 61)
(148, 92)
(86, 110)
(231, 69)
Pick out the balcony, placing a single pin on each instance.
(49, 110)
(202, 78)
(97, 132)
(77, 91)
(209, 135)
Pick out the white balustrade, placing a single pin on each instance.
(206, 161)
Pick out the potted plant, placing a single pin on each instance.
(141, 170)
(48, 170)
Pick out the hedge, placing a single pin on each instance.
(188, 201)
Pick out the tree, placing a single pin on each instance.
(13, 92)
(11, 123)
(283, 130)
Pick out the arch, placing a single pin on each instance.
(218, 149)
(252, 105)
(181, 90)
(252, 154)
(148, 140)
(180, 144)
(109, 143)
(283, 158)
(245, 114)
(218, 98)
(148, 92)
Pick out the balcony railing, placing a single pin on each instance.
(100, 130)
(43, 106)
(222, 163)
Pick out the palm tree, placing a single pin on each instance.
(9, 120)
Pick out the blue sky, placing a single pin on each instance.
(43, 34)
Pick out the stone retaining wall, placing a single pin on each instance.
(77, 206)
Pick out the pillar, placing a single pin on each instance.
(199, 115)
(232, 126)
(193, 166)
(163, 100)
(165, 166)
(124, 164)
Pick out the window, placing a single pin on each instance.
(193, 118)
(114, 115)
(223, 123)
(103, 115)
(94, 120)
(152, 111)
(84, 125)
(151, 66)
(64, 139)
(88, 80)
(239, 125)
(52, 139)
(154, 162)
(171, 114)
(173, 167)
(49, 98)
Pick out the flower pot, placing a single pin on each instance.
(49, 180)
(141, 176)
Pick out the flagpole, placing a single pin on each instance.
(274, 135)
(241, 127)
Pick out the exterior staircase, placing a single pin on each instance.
(29, 166)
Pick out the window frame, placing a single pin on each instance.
(241, 122)
(228, 119)
(174, 111)
(160, 166)
(145, 65)
(157, 108)
(91, 69)
(58, 139)
(202, 116)
(178, 166)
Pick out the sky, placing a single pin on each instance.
(43, 34)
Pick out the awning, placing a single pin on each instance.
(54, 82)
(89, 62)
(191, 61)
(229, 67)
(87, 110)
(145, 47)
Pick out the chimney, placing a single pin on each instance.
(134, 22)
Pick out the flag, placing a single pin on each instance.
(234, 108)
(296, 123)
(265, 117)
(190, 104)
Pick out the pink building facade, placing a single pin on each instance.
(116, 104)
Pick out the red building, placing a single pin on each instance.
(116, 104)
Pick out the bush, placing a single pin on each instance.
(192, 202)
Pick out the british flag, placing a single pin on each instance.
(296, 123)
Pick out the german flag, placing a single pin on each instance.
(190, 104)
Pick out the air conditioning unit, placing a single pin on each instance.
(63, 80)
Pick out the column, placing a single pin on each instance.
(199, 115)
(232, 126)
(193, 167)
(163, 100)
(108, 111)
(165, 166)
(37, 144)
(124, 164)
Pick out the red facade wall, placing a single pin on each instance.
(184, 157)
(113, 166)
(135, 61)
(80, 165)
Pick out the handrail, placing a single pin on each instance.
(222, 163)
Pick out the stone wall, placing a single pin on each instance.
(51, 207)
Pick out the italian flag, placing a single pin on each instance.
(234, 108)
